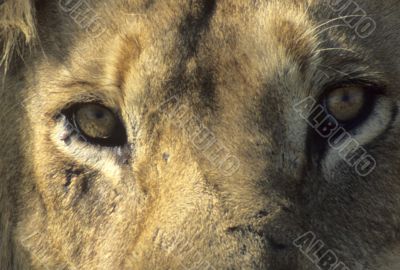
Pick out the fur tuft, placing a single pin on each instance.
(17, 29)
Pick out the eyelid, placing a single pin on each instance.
(370, 87)
(79, 91)
(69, 107)
(107, 160)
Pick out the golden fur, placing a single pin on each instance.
(232, 70)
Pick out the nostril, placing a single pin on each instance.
(262, 214)
(275, 245)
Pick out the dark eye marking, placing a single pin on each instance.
(71, 174)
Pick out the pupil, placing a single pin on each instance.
(346, 98)
(99, 114)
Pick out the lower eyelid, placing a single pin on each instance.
(375, 128)
(377, 122)
(366, 130)
(103, 159)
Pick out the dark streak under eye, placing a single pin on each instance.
(70, 174)
(85, 185)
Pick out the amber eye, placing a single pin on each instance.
(346, 103)
(96, 121)
(97, 124)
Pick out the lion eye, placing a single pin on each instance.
(346, 103)
(97, 124)
(95, 121)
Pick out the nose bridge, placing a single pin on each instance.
(286, 131)
(272, 176)
(293, 145)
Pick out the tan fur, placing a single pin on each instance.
(175, 71)
(17, 28)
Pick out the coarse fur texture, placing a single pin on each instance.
(183, 74)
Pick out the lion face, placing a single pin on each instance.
(201, 135)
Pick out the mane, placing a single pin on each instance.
(17, 29)
(17, 33)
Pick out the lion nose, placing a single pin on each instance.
(278, 245)
(279, 251)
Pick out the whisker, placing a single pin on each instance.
(350, 74)
(328, 28)
(335, 19)
(335, 49)
(336, 70)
